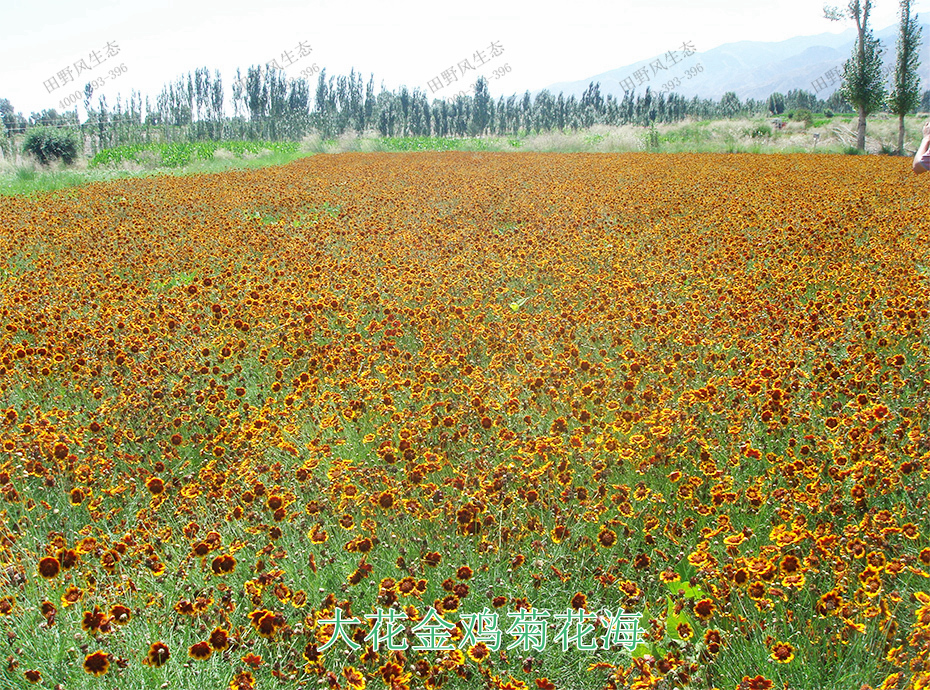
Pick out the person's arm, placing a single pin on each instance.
(922, 157)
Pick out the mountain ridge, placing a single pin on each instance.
(750, 69)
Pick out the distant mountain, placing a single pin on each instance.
(751, 69)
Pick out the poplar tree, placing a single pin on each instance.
(481, 115)
(862, 87)
(905, 91)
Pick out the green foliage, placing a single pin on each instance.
(431, 144)
(862, 75)
(178, 154)
(776, 104)
(481, 114)
(886, 150)
(48, 144)
(759, 131)
(691, 134)
(651, 138)
(905, 89)
(729, 104)
(803, 115)
(25, 175)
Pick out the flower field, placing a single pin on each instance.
(445, 395)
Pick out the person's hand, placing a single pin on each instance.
(927, 129)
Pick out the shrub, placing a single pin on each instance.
(48, 144)
(759, 131)
(802, 115)
(651, 138)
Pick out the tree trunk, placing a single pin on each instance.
(901, 135)
(860, 138)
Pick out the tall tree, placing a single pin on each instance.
(776, 103)
(481, 115)
(862, 85)
(6, 115)
(370, 101)
(905, 90)
(216, 105)
(321, 117)
(729, 104)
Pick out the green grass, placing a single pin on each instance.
(28, 181)
(177, 154)
(431, 144)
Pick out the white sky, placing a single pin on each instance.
(401, 41)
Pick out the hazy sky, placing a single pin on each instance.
(399, 41)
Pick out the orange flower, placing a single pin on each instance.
(71, 595)
(157, 655)
(120, 614)
(219, 639)
(704, 609)
(67, 558)
(49, 567)
(223, 565)
(579, 601)
(242, 681)
(97, 664)
(200, 651)
(479, 652)
(782, 652)
(95, 621)
(355, 679)
(268, 624)
(252, 660)
(828, 603)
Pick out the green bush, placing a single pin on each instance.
(48, 144)
(802, 115)
(760, 131)
(651, 138)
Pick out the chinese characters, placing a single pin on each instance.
(94, 59)
(832, 76)
(829, 78)
(675, 82)
(478, 59)
(288, 58)
(643, 74)
(529, 629)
